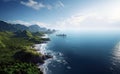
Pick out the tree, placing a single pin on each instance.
(2, 45)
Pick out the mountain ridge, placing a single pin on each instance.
(5, 26)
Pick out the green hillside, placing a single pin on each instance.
(16, 53)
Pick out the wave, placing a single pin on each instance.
(57, 57)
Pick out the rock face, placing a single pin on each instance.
(45, 57)
(31, 58)
(28, 57)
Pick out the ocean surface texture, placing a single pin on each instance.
(83, 52)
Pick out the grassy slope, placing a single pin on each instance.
(16, 54)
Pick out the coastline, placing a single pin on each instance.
(55, 57)
(46, 56)
(41, 48)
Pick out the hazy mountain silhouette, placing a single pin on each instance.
(4, 26)
(36, 28)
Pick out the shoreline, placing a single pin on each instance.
(40, 48)
(57, 57)
(46, 56)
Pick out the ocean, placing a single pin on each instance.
(83, 52)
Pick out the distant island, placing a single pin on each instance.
(17, 54)
(61, 35)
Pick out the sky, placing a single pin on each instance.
(63, 14)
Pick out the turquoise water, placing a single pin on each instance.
(85, 52)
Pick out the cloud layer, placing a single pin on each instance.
(38, 5)
(99, 17)
(33, 4)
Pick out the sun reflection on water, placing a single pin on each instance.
(116, 59)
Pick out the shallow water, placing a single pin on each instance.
(84, 53)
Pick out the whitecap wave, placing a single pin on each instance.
(57, 57)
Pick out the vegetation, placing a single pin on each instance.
(36, 28)
(38, 34)
(16, 54)
(4, 26)
(19, 68)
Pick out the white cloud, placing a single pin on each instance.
(99, 17)
(20, 22)
(89, 20)
(59, 4)
(41, 24)
(49, 7)
(38, 5)
(74, 21)
(35, 5)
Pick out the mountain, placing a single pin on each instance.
(20, 27)
(4, 26)
(36, 28)
(25, 34)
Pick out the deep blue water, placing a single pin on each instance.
(86, 52)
